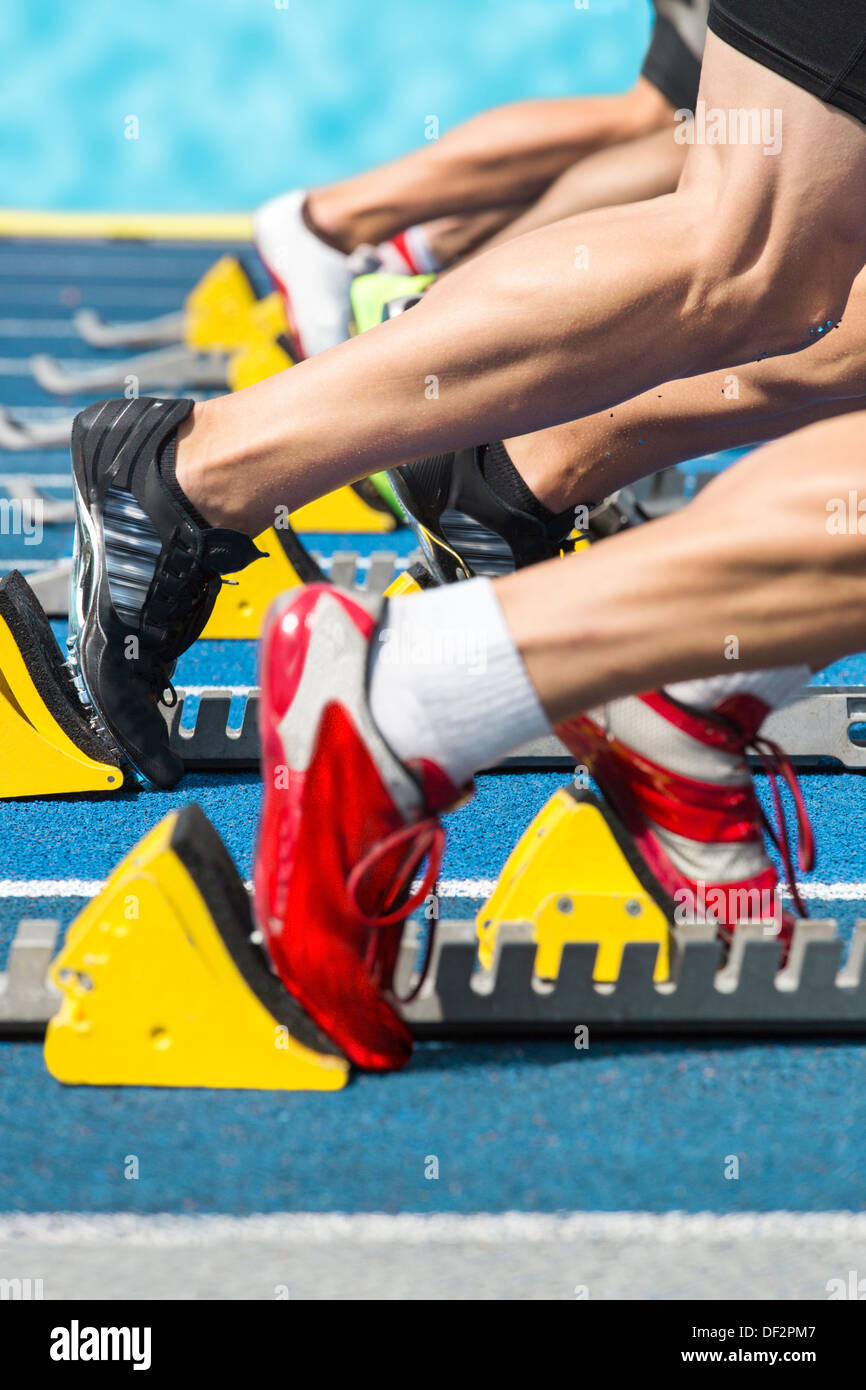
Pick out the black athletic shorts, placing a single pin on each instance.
(819, 44)
(673, 60)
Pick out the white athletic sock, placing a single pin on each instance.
(448, 683)
(772, 687)
(424, 258)
(409, 253)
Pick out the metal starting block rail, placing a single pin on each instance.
(669, 489)
(27, 997)
(156, 332)
(23, 491)
(23, 436)
(746, 993)
(816, 725)
(174, 366)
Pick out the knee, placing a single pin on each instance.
(765, 290)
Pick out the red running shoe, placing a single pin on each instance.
(345, 824)
(679, 780)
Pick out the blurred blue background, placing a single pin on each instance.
(238, 99)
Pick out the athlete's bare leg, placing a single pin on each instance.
(667, 597)
(587, 459)
(750, 257)
(454, 237)
(502, 157)
(632, 172)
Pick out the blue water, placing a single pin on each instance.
(238, 99)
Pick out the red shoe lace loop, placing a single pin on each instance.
(775, 761)
(426, 840)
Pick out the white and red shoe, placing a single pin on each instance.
(345, 824)
(313, 277)
(679, 781)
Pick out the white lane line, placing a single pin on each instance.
(448, 888)
(772, 1256)
(50, 887)
(285, 1228)
(829, 892)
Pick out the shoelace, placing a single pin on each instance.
(775, 762)
(425, 840)
(180, 590)
(160, 685)
(159, 679)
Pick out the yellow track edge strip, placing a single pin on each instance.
(151, 226)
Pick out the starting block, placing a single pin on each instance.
(357, 507)
(223, 323)
(163, 982)
(573, 876)
(47, 746)
(412, 581)
(245, 597)
(223, 311)
(27, 997)
(19, 436)
(218, 315)
(171, 367)
(261, 356)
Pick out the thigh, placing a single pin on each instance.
(775, 165)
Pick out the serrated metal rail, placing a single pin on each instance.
(814, 726)
(747, 993)
(815, 993)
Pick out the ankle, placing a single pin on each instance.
(540, 470)
(328, 217)
(195, 465)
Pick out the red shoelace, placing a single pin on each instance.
(776, 762)
(425, 840)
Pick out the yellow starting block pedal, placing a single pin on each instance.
(575, 876)
(358, 507)
(412, 581)
(223, 311)
(260, 356)
(245, 597)
(163, 983)
(47, 746)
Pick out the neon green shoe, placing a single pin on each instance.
(371, 297)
